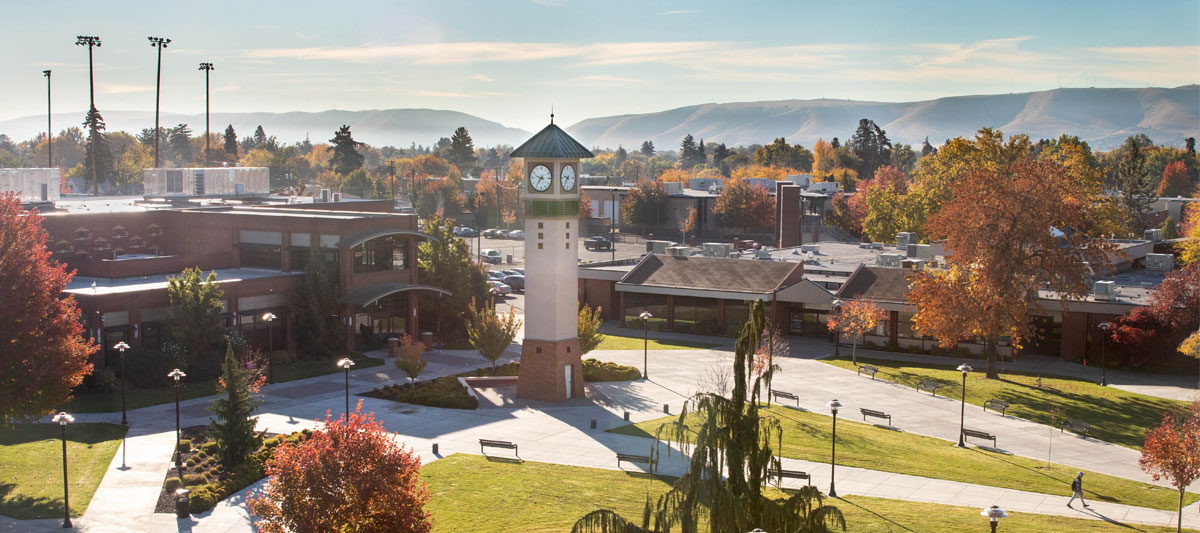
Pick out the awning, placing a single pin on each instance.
(369, 294)
(351, 242)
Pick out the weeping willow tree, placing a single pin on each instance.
(733, 453)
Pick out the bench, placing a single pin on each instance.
(781, 394)
(485, 443)
(868, 370)
(631, 458)
(876, 414)
(979, 435)
(996, 405)
(1078, 426)
(792, 474)
(931, 386)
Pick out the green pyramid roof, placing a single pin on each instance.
(552, 142)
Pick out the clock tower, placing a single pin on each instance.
(551, 369)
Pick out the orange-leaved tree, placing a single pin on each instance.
(350, 475)
(1009, 232)
(855, 318)
(44, 354)
(1172, 450)
(745, 206)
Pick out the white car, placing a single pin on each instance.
(498, 288)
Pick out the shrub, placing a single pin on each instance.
(595, 370)
(171, 485)
(444, 392)
(145, 368)
(185, 445)
(209, 448)
(192, 480)
(192, 461)
(202, 499)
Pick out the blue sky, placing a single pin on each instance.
(508, 61)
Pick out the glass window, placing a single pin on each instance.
(696, 315)
(655, 304)
(261, 255)
(378, 255)
(299, 256)
(736, 315)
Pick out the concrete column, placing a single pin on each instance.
(671, 312)
(893, 327)
(414, 329)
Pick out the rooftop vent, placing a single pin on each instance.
(1152, 234)
(905, 238)
(1105, 290)
(1160, 262)
(889, 260)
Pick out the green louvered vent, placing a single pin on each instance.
(552, 208)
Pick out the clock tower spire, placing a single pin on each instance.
(551, 369)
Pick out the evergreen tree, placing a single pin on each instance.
(720, 153)
(927, 149)
(1135, 184)
(319, 330)
(701, 156)
(179, 139)
(195, 321)
(233, 429)
(648, 148)
(346, 158)
(231, 143)
(622, 155)
(462, 151)
(96, 145)
(445, 262)
(835, 143)
(260, 138)
(688, 153)
(871, 145)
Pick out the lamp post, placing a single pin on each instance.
(269, 318)
(1104, 326)
(994, 514)
(63, 419)
(121, 347)
(345, 364)
(962, 416)
(646, 316)
(49, 129)
(833, 407)
(206, 67)
(159, 43)
(91, 41)
(612, 225)
(177, 375)
(837, 333)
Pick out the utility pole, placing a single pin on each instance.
(206, 67)
(91, 41)
(159, 43)
(49, 128)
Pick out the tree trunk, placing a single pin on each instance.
(1179, 524)
(854, 350)
(991, 359)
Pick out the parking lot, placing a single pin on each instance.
(516, 249)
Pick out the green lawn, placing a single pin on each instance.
(31, 467)
(1116, 416)
(110, 402)
(471, 493)
(613, 342)
(806, 436)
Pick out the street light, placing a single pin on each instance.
(1104, 326)
(993, 513)
(177, 375)
(159, 43)
(206, 67)
(91, 41)
(612, 224)
(345, 364)
(837, 333)
(962, 416)
(833, 407)
(121, 347)
(269, 318)
(63, 419)
(646, 316)
(49, 129)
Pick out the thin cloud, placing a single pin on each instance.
(680, 12)
(451, 94)
(483, 77)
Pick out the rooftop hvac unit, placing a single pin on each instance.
(920, 251)
(658, 247)
(876, 246)
(1160, 262)
(889, 260)
(905, 238)
(326, 196)
(1105, 290)
(814, 248)
(762, 254)
(1152, 234)
(337, 197)
(673, 187)
(681, 251)
(913, 264)
(734, 255)
(715, 249)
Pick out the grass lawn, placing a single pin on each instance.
(806, 436)
(613, 342)
(1116, 416)
(31, 467)
(110, 402)
(471, 493)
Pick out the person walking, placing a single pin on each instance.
(1077, 490)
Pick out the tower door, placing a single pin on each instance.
(567, 374)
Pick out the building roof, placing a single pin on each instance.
(710, 273)
(552, 142)
(369, 294)
(879, 284)
(93, 286)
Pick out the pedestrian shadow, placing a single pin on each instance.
(1101, 516)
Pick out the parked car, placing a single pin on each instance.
(496, 275)
(457, 231)
(598, 243)
(491, 256)
(517, 235)
(498, 288)
(745, 245)
(468, 233)
(514, 272)
(493, 233)
(516, 281)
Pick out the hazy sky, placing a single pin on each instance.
(508, 61)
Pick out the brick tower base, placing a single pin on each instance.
(543, 373)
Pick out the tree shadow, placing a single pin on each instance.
(881, 517)
(24, 507)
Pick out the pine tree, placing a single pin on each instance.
(179, 139)
(346, 158)
(648, 148)
(319, 329)
(233, 429)
(688, 152)
(96, 145)
(195, 321)
(231, 143)
(1135, 184)
(462, 151)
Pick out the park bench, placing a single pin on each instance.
(781, 394)
(979, 435)
(876, 414)
(485, 443)
(792, 474)
(1078, 426)
(931, 386)
(868, 370)
(631, 458)
(996, 405)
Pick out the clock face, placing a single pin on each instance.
(540, 178)
(567, 178)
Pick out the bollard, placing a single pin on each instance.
(593, 423)
(626, 416)
(435, 448)
(182, 504)
(667, 408)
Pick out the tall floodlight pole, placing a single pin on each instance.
(49, 128)
(206, 67)
(91, 41)
(159, 43)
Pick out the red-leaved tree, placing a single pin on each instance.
(855, 319)
(44, 354)
(1172, 450)
(348, 476)
(1150, 334)
(1175, 180)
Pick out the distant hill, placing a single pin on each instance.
(395, 127)
(1102, 117)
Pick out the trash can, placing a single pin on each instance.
(182, 508)
(393, 347)
(427, 338)
(508, 259)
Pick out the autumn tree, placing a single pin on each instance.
(780, 154)
(745, 206)
(236, 401)
(589, 334)
(854, 319)
(774, 344)
(195, 321)
(1189, 250)
(687, 223)
(491, 333)
(346, 158)
(45, 354)
(996, 230)
(349, 475)
(445, 262)
(1175, 180)
(1172, 450)
(585, 206)
(644, 205)
(410, 358)
(1191, 345)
